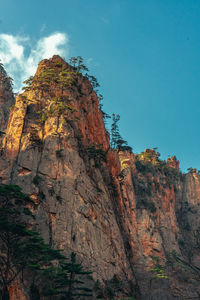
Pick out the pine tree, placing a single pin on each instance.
(20, 247)
(117, 142)
(66, 280)
(115, 131)
(75, 271)
(77, 63)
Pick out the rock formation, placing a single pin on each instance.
(123, 214)
(6, 98)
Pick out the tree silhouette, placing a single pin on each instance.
(117, 142)
(115, 131)
(66, 280)
(77, 63)
(75, 271)
(20, 247)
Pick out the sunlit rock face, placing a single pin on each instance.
(116, 210)
(6, 98)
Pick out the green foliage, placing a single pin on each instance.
(2, 133)
(14, 192)
(171, 172)
(58, 64)
(52, 77)
(115, 131)
(18, 247)
(105, 116)
(116, 140)
(23, 249)
(110, 293)
(34, 292)
(122, 145)
(113, 287)
(158, 270)
(67, 79)
(37, 179)
(57, 108)
(93, 81)
(142, 166)
(147, 164)
(100, 98)
(28, 83)
(150, 155)
(74, 270)
(43, 117)
(77, 63)
(56, 76)
(97, 154)
(67, 280)
(98, 290)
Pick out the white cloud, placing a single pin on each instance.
(19, 64)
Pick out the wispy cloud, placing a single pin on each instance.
(21, 63)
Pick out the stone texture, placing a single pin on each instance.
(112, 213)
(6, 98)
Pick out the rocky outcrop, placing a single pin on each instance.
(6, 98)
(160, 216)
(123, 214)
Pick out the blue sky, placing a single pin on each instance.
(144, 53)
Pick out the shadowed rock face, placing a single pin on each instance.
(115, 210)
(6, 98)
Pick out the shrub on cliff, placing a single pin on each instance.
(158, 270)
(97, 154)
(20, 247)
(23, 249)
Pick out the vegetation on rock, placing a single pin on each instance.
(116, 140)
(97, 154)
(23, 250)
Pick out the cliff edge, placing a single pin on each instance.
(123, 214)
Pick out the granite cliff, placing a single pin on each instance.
(6, 97)
(124, 214)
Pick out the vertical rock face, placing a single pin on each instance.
(160, 216)
(6, 98)
(118, 211)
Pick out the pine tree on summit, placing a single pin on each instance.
(77, 63)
